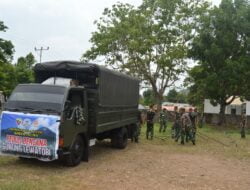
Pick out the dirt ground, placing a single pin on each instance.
(147, 165)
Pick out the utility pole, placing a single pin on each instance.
(41, 52)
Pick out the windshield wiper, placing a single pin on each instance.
(51, 110)
(13, 109)
(26, 108)
(47, 110)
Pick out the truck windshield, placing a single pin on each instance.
(37, 98)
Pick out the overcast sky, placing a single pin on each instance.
(63, 25)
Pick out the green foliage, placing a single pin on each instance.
(221, 49)
(176, 97)
(11, 75)
(6, 47)
(148, 97)
(149, 42)
(23, 68)
(7, 80)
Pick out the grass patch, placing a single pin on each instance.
(209, 140)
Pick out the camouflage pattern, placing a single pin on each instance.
(77, 113)
(176, 128)
(193, 117)
(186, 128)
(163, 121)
(243, 126)
(150, 124)
(136, 133)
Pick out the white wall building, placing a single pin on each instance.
(235, 108)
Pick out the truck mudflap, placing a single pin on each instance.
(29, 135)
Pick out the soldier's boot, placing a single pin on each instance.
(164, 128)
(173, 135)
(160, 129)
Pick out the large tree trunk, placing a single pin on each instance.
(222, 118)
(158, 101)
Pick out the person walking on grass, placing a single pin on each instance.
(137, 129)
(176, 125)
(163, 120)
(193, 114)
(150, 123)
(186, 126)
(243, 126)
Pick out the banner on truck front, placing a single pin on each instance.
(29, 135)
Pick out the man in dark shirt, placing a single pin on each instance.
(163, 120)
(150, 123)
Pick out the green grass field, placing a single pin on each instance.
(16, 174)
(212, 139)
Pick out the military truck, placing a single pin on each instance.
(70, 104)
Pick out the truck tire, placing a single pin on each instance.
(120, 138)
(76, 152)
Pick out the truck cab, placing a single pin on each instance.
(66, 103)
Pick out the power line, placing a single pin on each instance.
(41, 52)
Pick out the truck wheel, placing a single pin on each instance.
(76, 152)
(120, 138)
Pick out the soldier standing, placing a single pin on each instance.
(163, 120)
(193, 114)
(178, 124)
(150, 122)
(243, 126)
(137, 129)
(175, 124)
(186, 125)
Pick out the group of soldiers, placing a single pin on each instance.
(184, 126)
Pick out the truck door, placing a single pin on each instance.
(75, 116)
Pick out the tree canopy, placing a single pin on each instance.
(23, 69)
(222, 51)
(6, 69)
(149, 41)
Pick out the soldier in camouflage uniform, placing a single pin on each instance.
(243, 126)
(193, 114)
(150, 122)
(176, 125)
(137, 129)
(163, 120)
(186, 126)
